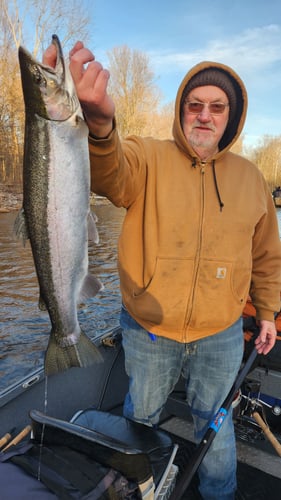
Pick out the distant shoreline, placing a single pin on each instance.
(9, 201)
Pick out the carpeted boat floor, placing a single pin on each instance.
(253, 484)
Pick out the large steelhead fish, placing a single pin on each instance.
(56, 214)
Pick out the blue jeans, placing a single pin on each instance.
(209, 367)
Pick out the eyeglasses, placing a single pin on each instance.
(215, 108)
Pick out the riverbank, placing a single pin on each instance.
(9, 200)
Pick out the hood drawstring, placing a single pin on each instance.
(216, 186)
(194, 164)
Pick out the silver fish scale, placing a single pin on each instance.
(56, 175)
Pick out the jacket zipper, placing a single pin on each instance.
(202, 166)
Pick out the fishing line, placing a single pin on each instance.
(43, 428)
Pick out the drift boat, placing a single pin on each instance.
(75, 418)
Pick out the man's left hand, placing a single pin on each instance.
(267, 337)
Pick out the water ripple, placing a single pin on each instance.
(24, 328)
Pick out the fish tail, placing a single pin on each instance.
(82, 354)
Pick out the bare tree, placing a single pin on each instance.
(11, 109)
(30, 23)
(267, 156)
(133, 90)
(160, 122)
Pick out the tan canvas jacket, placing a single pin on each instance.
(197, 237)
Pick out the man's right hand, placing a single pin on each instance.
(91, 81)
(91, 86)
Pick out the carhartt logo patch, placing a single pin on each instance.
(221, 272)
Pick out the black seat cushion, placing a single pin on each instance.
(154, 443)
(136, 450)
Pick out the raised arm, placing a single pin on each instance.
(91, 80)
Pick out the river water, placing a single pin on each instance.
(24, 329)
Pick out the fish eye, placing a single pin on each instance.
(38, 77)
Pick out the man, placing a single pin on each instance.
(200, 234)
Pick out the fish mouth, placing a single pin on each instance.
(28, 62)
(59, 69)
(48, 92)
(60, 59)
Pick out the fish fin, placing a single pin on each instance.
(41, 304)
(20, 227)
(82, 354)
(91, 286)
(93, 234)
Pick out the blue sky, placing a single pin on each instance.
(245, 34)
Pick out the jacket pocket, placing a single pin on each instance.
(164, 301)
(220, 294)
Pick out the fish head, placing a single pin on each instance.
(48, 92)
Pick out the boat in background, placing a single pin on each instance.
(276, 194)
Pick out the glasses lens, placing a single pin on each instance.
(215, 108)
(195, 107)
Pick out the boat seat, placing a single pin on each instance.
(141, 453)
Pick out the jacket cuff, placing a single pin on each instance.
(265, 314)
(94, 139)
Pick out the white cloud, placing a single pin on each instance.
(248, 52)
(255, 54)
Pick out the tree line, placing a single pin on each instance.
(138, 100)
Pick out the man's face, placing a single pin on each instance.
(205, 128)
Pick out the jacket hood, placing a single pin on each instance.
(235, 125)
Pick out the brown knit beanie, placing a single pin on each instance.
(217, 77)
